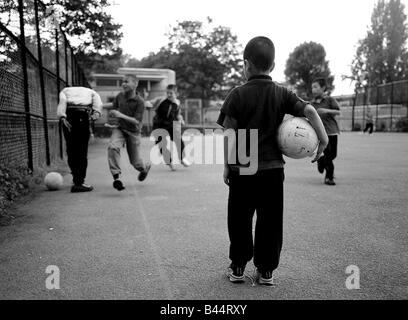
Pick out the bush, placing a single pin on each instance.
(402, 125)
(14, 182)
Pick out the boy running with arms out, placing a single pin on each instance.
(128, 108)
(259, 104)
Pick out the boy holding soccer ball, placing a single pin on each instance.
(259, 104)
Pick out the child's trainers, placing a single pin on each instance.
(118, 185)
(236, 273)
(265, 278)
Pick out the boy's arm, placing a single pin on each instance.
(334, 108)
(328, 111)
(317, 124)
(154, 103)
(62, 106)
(133, 120)
(96, 105)
(230, 124)
(118, 114)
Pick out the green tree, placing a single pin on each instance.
(207, 63)
(305, 63)
(91, 31)
(382, 56)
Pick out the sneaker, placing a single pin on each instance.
(81, 188)
(236, 273)
(143, 174)
(320, 165)
(329, 182)
(171, 167)
(185, 163)
(118, 185)
(265, 278)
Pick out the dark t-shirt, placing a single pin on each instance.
(261, 104)
(166, 113)
(329, 121)
(132, 106)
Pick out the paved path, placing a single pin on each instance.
(166, 238)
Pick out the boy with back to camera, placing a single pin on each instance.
(259, 104)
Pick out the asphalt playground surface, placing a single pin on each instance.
(166, 238)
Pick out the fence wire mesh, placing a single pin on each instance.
(33, 51)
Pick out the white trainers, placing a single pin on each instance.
(185, 163)
(264, 278)
(236, 274)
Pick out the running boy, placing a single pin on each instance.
(168, 115)
(259, 104)
(328, 109)
(128, 108)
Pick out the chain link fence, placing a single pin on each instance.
(387, 103)
(36, 63)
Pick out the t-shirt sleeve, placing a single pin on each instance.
(96, 102)
(229, 108)
(293, 105)
(230, 123)
(333, 104)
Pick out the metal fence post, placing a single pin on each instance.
(376, 111)
(392, 102)
(58, 89)
(66, 60)
(23, 51)
(42, 85)
(353, 108)
(72, 67)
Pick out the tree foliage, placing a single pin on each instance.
(382, 56)
(92, 33)
(305, 63)
(206, 59)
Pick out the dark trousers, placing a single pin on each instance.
(370, 127)
(166, 152)
(77, 144)
(330, 153)
(263, 193)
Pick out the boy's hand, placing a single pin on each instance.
(95, 115)
(112, 126)
(320, 149)
(115, 113)
(226, 175)
(66, 123)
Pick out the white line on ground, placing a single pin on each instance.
(162, 274)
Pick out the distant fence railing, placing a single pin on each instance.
(36, 63)
(388, 104)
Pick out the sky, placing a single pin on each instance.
(336, 24)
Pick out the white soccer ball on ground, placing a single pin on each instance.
(53, 181)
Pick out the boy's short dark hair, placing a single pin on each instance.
(132, 76)
(172, 87)
(321, 81)
(260, 51)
